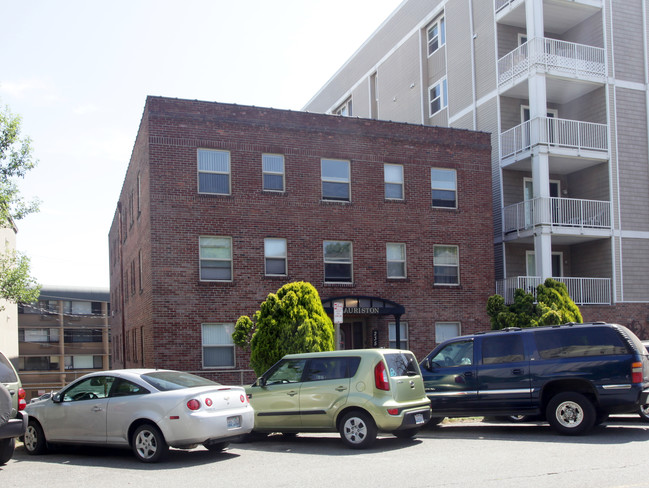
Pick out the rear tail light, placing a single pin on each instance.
(636, 373)
(193, 404)
(393, 411)
(381, 380)
(22, 403)
(243, 398)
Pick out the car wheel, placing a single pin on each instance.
(35, 442)
(216, 446)
(406, 433)
(148, 444)
(357, 430)
(570, 413)
(6, 449)
(5, 405)
(643, 411)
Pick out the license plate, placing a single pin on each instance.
(234, 422)
(419, 418)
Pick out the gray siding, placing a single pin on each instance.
(589, 184)
(627, 41)
(589, 32)
(485, 50)
(399, 87)
(458, 49)
(632, 154)
(635, 269)
(588, 108)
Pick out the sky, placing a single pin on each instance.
(78, 73)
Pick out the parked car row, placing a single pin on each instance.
(573, 376)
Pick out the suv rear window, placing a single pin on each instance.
(402, 364)
(7, 374)
(579, 342)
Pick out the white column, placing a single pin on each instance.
(540, 162)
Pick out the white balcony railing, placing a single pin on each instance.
(583, 291)
(557, 212)
(502, 3)
(543, 53)
(554, 133)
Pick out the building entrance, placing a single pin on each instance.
(352, 335)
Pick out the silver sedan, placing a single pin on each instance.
(142, 409)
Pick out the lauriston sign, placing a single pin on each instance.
(361, 311)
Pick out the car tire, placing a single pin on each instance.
(571, 413)
(434, 421)
(34, 440)
(406, 433)
(643, 411)
(5, 405)
(216, 446)
(6, 449)
(357, 430)
(148, 443)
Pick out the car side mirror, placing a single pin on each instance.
(261, 381)
(426, 364)
(56, 398)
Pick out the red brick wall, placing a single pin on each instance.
(174, 303)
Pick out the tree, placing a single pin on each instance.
(551, 306)
(288, 322)
(16, 160)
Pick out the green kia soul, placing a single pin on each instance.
(355, 392)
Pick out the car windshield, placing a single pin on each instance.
(175, 380)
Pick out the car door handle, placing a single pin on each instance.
(97, 408)
(517, 371)
(340, 388)
(468, 374)
(291, 393)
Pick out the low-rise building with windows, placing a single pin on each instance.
(223, 204)
(66, 334)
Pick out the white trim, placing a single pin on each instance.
(351, 262)
(285, 256)
(283, 173)
(222, 260)
(388, 261)
(198, 171)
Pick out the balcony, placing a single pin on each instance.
(568, 215)
(583, 291)
(559, 15)
(564, 60)
(563, 137)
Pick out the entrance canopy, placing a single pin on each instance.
(363, 305)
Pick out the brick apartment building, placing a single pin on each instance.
(223, 204)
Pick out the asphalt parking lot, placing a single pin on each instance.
(455, 454)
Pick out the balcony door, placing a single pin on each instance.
(528, 196)
(557, 264)
(548, 131)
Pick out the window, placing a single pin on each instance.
(436, 35)
(82, 335)
(338, 261)
(126, 388)
(335, 180)
(403, 335)
(319, 369)
(213, 172)
(287, 371)
(83, 362)
(89, 389)
(396, 258)
(438, 95)
(455, 354)
(572, 343)
(38, 363)
(273, 172)
(444, 187)
(393, 178)
(275, 256)
(446, 330)
(216, 258)
(446, 265)
(503, 349)
(345, 109)
(218, 348)
(38, 335)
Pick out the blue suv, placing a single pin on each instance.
(572, 375)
